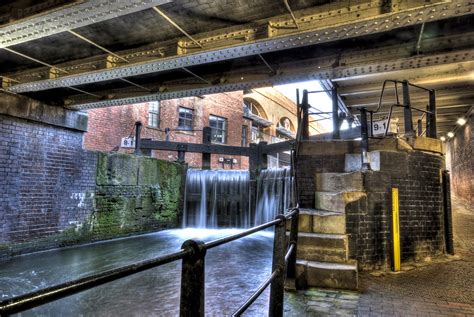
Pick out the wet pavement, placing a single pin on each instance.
(440, 287)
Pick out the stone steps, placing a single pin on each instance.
(320, 221)
(323, 243)
(323, 274)
(337, 201)
(322, 247)
(339, 182)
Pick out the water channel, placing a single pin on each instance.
(233, 272)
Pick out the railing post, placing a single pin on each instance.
(206, 139)
(364, 143)
(335, 114)
(305, 121)
(407, 109)
(431, 130)
(448, 217)
(291, 267)
(138, 131)
(419, 127)
(277, 288)
(192, 280)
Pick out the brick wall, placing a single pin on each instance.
(417, 176)
(107, 126)
(460, 162)
(45, 175)
(54, 193)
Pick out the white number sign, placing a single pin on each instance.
(128, 143)
(379, 127)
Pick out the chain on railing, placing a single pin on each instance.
(192, 253)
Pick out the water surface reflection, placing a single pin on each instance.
(233, 271)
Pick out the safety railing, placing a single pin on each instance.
(192, 254)
(368, 122)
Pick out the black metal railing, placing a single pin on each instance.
(192, 253)
(367, 120)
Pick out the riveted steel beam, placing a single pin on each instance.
(346, 27)
(70, 17)
(317, 69)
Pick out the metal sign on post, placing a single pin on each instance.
(380, 126)
(395, 231)
(128, 143)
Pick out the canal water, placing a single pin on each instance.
(233, 272)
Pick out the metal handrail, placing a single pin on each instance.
(33, 299)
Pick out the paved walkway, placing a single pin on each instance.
(444, 287)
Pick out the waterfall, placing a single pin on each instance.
(216, 198)
(273, 194)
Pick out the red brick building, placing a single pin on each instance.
(235, 118)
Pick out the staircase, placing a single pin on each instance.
(323, 243)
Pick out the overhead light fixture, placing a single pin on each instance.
(442, 138)
(450, 134)
(461, 121)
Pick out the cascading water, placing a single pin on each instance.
(273, 194)
(216, 198)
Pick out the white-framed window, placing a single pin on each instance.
(154, 114)
(219, 129)
(185, 118)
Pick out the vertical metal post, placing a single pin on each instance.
(277, 287)
(305, 121)
(206, 139)
(181, 156)
(335, 114)
(262, 158)
(192, 280)
(407, 109)
(291, 268)
(448, 216)
(431, 130)
(396, 257)
(419, 127)
(138, 131)
(364, 143)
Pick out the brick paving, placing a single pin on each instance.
(440, 287)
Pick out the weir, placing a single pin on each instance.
(221, 198)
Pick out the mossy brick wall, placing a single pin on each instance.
(54, 193)
(134, 194)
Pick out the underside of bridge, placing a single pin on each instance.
(350, 200)
(90, 54)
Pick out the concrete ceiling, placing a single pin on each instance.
(88, 54)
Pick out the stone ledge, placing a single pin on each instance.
(30, 109)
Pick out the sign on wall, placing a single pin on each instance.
(379, 127)
(128, 143)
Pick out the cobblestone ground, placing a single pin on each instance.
(443, 287)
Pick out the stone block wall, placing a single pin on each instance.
(460, 162)
(54, 193)
(417, 175)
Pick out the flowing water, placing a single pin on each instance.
(220, 198)
(233, 272)
(273, 194)
(216, 199)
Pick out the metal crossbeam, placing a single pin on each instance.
(70, 17)
(349, 27)
(318, 69)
